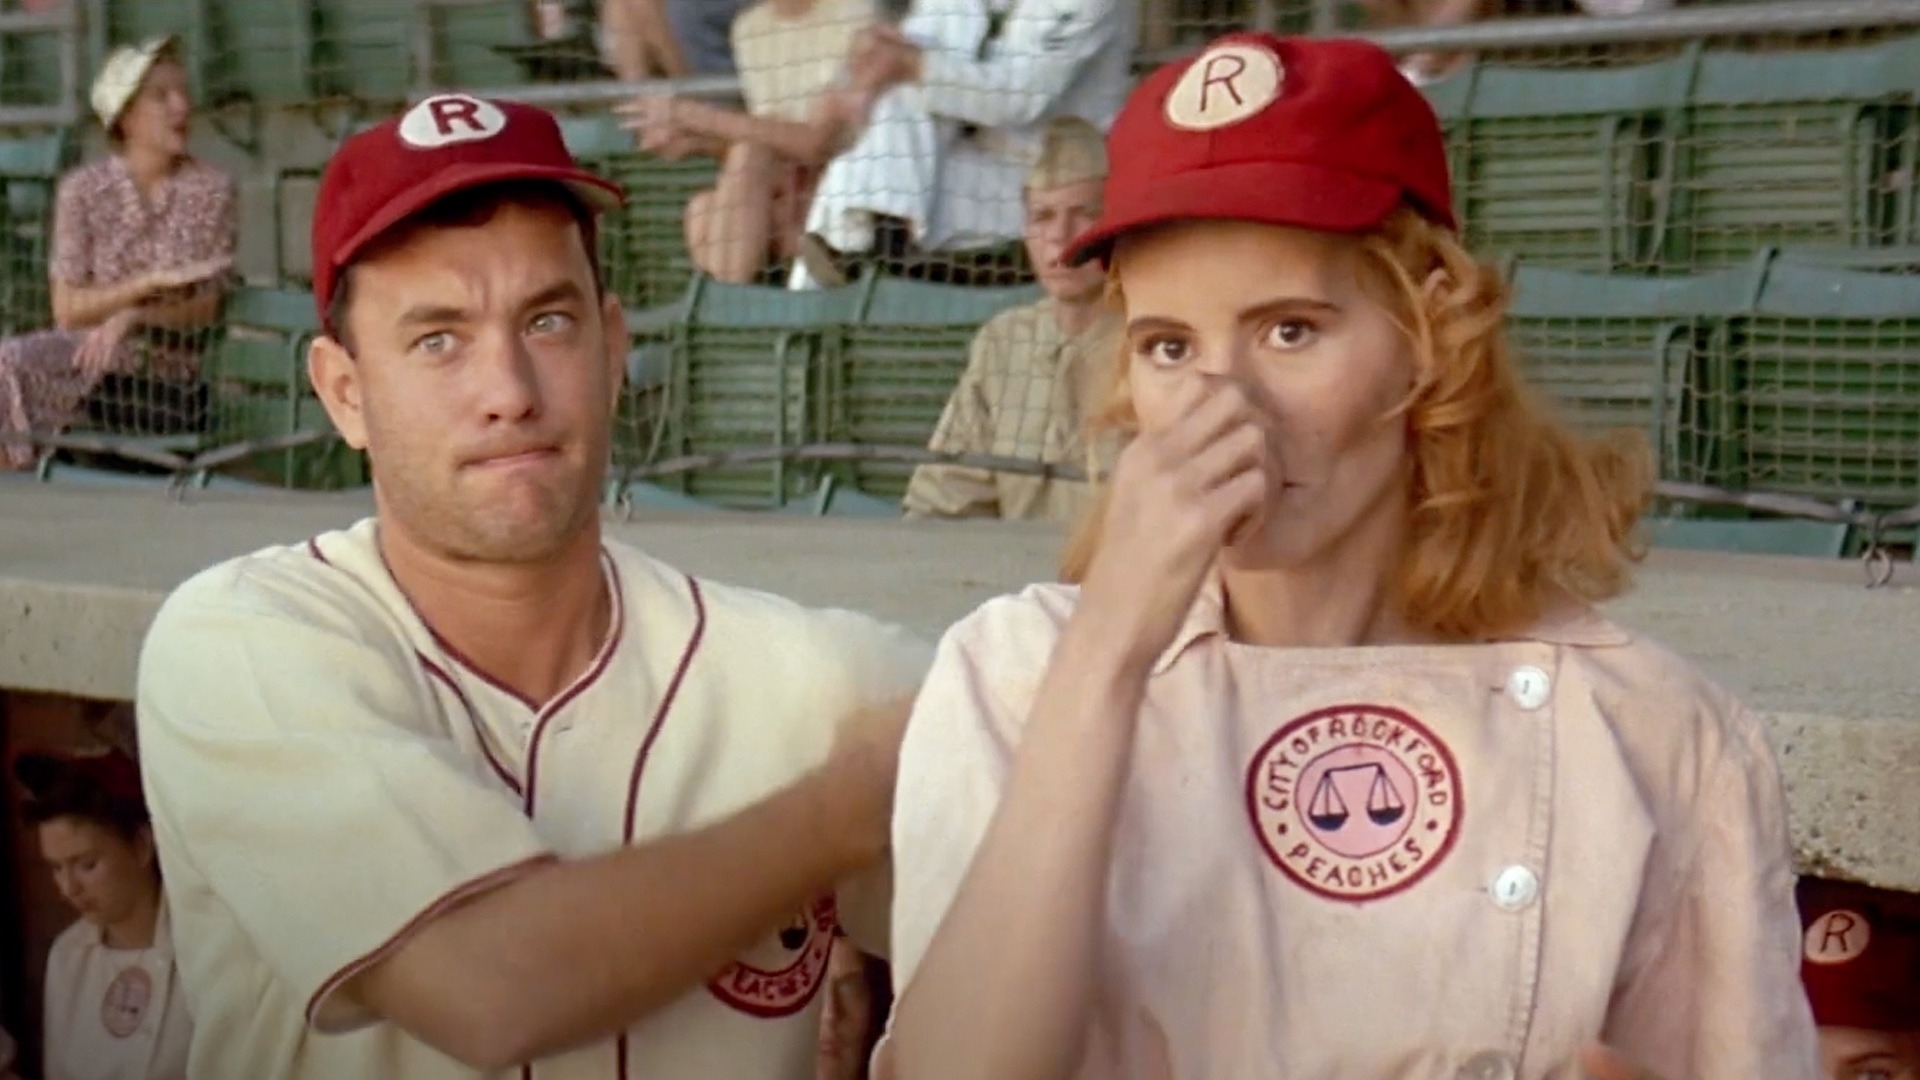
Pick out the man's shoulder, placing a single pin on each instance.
(777, 629)
(314, 581)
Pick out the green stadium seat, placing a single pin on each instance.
(902, 359)
(1631, 352)
(1823, 378)
(262, 396)
(645, 244)
(1569, 168)
(262, 52)
(30, 167)
(748, 361)
(364, 49)
(473, 42)
(1795, 148)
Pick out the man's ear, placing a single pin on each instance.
(619, 343)
(335, 376)
(1437, 285)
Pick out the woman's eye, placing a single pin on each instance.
(1165, 351)
(1290, 334)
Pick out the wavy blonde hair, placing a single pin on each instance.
(1511, 513)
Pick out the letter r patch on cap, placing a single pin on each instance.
(446, 119)
(1225, 85)
(1837, 937)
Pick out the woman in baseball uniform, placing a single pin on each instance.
(1327, 767)
(114, 1009)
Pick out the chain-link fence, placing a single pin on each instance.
(1709, 210)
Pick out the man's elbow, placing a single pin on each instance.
(475, 1018)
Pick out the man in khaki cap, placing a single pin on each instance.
(1035, 372)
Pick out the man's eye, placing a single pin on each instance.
(551, 322)
(434, 344)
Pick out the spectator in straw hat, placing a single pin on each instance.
(1034, 371)
(1861, 967)
(142, 243)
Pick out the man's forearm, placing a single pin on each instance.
(810, 142)
(582, 949)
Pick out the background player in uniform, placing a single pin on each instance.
(1861, 967)
(467, 785)
(1327, 767)
(114, 1010)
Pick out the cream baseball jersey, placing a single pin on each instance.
(325, 773)
(1396, 863)
(114, 1014)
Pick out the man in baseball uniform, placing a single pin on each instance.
(972, 83)
(467, 789)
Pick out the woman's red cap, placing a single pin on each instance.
(1319, 133)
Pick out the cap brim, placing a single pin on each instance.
(1268, 192)
(599, 194)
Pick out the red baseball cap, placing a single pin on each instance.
(1319, 133)
(1860, 956)
(446, 143)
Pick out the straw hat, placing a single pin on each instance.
(120, 77)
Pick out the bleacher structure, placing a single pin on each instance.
(1713, 244)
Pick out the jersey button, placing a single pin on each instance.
(1487, 1065)
(1529, 687)
(1515, 888)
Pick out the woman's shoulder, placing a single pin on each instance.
(73, 946)
(89, 179)
(1662, 703)
(198, 175)
(1016, 623)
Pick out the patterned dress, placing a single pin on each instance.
(105, 231)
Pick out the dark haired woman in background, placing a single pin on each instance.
(114, 1008)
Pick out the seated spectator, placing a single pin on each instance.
(791, 55)
(1035, 371)
(931, 187)
(142, 246)
(114, 1006)
(671, 39)
(1861, 966)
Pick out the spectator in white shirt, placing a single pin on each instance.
(933, 182)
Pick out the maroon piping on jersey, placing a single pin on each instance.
(552, 708)
(473, 719)
(622, 1049)
(449, 900)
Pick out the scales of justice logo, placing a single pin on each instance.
(1354, 802)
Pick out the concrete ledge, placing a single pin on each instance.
(1833, 667)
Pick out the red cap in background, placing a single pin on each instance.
(1860, 956)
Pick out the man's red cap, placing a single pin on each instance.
(447, 143)
(1319, 133)
(1860, 956)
